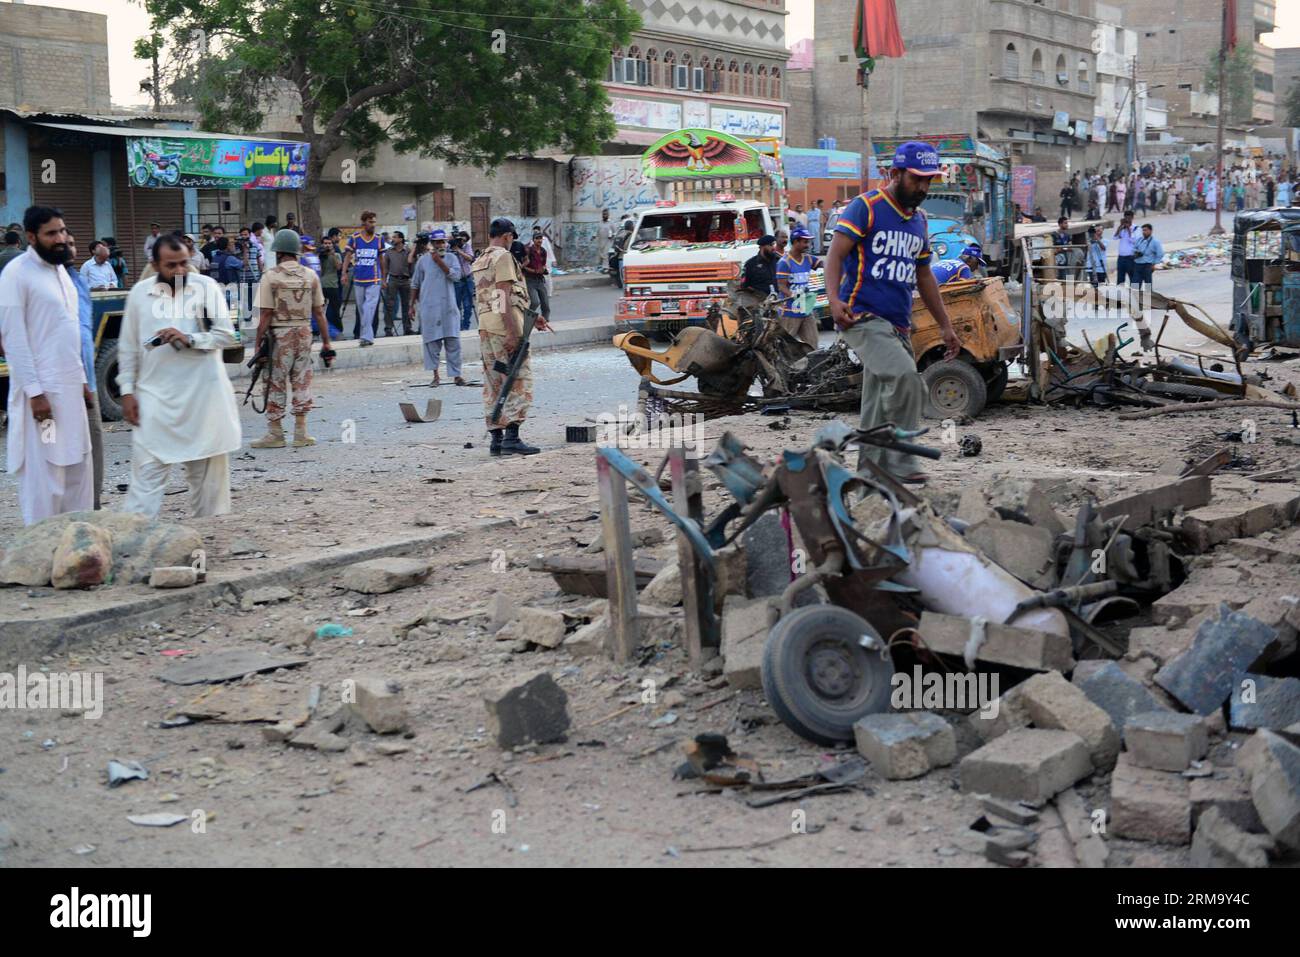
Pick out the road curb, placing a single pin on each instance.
(409, 350)
(28, 641)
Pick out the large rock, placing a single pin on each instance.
(1165, 740)
(1274, 768)
(1024, 500)
(382, 575)
(1259, 701)
(139, 546)
(666, 587)
(532, 711)
(379, 703)
(1024, 550)
(767, 557)
(1148, 805)
(83, 558)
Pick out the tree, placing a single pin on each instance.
(471, 82)
(1239, 76)
(1292, 105)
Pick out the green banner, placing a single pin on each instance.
(172, 162)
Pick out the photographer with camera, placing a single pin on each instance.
(175, 391)
(289, 296)
(464, 250)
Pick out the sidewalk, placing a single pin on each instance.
(409, 350)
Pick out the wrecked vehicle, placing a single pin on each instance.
(1266, 277)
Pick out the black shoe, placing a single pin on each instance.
(513, 445)
(495, 447)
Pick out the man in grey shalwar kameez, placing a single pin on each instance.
(433, 288)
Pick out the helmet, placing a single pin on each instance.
(286, 241)
(500, 227)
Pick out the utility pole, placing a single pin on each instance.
(1133, 114)
(1218, 139)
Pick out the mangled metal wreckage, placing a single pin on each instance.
(878, 557)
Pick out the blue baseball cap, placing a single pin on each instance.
(976, 250)
(919, 158)
(800, 233)
(438, 234)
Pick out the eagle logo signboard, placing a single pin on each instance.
(699, 152)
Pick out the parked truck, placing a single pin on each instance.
(972, 200)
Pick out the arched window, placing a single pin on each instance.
(616, 66)
(762, 82)
(1011, 62)
(652, 66)
(747, 75)
(719, 76)
(1036, 66)
(776, 83)
(733, 77)
(1062, 76)
(1084, 84)
(670, 61)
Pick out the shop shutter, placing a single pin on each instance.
(163, 206)
(71, 190)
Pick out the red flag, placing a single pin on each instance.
(875, 30)
(1230, 24)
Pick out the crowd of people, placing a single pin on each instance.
(1168, 187)
(182, 316)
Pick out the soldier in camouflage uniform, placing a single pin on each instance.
(501, 298)
(287, 298)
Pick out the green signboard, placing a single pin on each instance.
(209, 163)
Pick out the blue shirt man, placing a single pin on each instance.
(86, 313)
(1147, 250)
(888, 244)
(880, 253)
(793, 275)
(950, 270)
(815, 226)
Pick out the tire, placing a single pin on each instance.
(818, 678)
(110, 399)
(997, 384)
(954, 389)
(141, 174)
(1180, 390)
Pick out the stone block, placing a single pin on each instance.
(1010, 715)
(1026, 551)
(1228, 790)
(1159, 642)
(1203, 676)
(905, 744)
(1052, 702)
(1110, 688)
(379, 703)
(1165, 740)
(532, 711)
(541, 626)
(589, 640)
(1275, 787)
(382, 575)
(767, 557)
(744, 634)
(1027, 764)
(173, 576)
(1220, 842)
(1148, 805)
(1259, 701)
(666, 587)
(1003, 644)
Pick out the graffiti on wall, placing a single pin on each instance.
(615, 183)
(582, 243)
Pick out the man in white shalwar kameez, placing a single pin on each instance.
(176, 394)
(49, 436)
(433, 286)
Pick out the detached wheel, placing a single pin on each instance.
(954, 389)
(818, 677)
(110, 397)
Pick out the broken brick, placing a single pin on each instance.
(903, 745)
(1026, 551)
(1274, 768)
(379, 703)
(1220, 842)
(532, 711)
(1228, 790)
(744, 635)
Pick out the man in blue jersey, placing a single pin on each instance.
(363, 255)
(793, 274)
(880, 253)
(966, 266)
